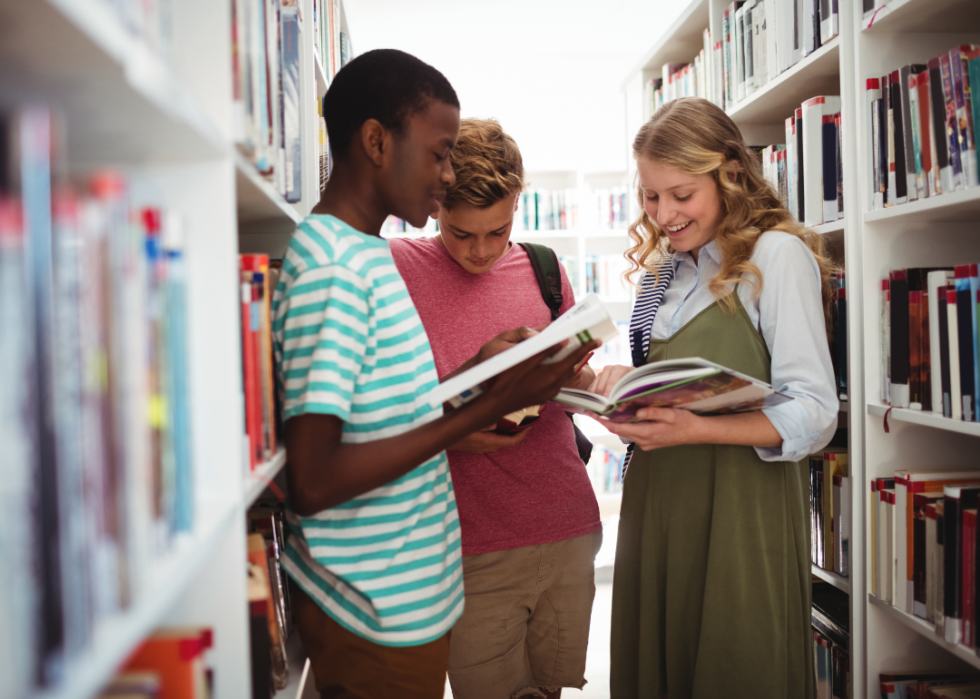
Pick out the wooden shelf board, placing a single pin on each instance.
(926, 418)
(831, 228)
(959, 206)
(116, 637)
(257, 481)
(841, 583)
(121, 104)
(780, 97)
(679, 44)
(321, 76)
(938, 16)
(260, 207)
(926, 629)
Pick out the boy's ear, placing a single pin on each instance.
(375, 140)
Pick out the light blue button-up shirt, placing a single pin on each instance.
(788, 313)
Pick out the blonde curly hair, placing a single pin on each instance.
(487, 163)
(694, 136)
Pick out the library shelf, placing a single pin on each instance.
(258, 480)
(927, 419)
(115, 637)
(926, 629)
(321, 76)
(838, 581)
(961, 205)
(832, 228)
(680, 43)
(817, 74)
(938, 16)
(259, 205)
(80, 58)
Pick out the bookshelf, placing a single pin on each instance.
(934, 231)
(162, 117)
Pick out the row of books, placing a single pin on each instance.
(572, 209)
(94, 410)
(760, 39)
(919, 684)
(923, 123)
(266, 55)
(172, 663)
(606, 470)
(262, 415)
(830, 511)
(831, 641)
(331, 43)
(603, 275)
(807, 170)
(270, 611)
(924, 548)
(929, 340)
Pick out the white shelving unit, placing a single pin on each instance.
(935, 231)
(167, 124)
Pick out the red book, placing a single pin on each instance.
(969, 543)
(253, 425)
(176, 656)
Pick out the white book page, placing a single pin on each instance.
(585, 321)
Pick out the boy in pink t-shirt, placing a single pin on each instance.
(529, 518)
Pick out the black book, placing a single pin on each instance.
(800, 168)
(901, 172)
(962, 498)
(940, 153)
(944, 353)
(964, 322)
(881, 116)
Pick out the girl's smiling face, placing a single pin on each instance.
(687, 207)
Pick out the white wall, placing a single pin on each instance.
(549, 70)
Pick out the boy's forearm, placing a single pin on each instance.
(321, 477)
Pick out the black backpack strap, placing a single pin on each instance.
(546, 270)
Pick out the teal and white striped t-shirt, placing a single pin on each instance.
(348, 342)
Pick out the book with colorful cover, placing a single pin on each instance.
(693, 384)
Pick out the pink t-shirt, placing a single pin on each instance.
(537, 492)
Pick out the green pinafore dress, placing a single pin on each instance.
(711, 592)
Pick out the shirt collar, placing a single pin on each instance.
(711, 249)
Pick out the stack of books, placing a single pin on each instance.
(266, 90)
(572, 209)
(924, 548)
(760, 39)
(928, 685)
(262, 412)
(269, 604)
(830, 511)
(94, 407)
(929, 340)
(923, 124)
(331, 44)
(807, 170)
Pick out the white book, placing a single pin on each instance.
(936, 282)
(829, 22)
(786, 39)
(791, 173)
(842, 525)
(813, 112)
(886, 563)
(956, 398)
(872, 92)
(760, 63)
(873, 511)
(708, 65)
(587, 320)
(748, 39)
(772, 59)
(798, 21)
(738, 53)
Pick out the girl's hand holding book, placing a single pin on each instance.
(656, 428)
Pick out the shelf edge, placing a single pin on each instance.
(924, 628)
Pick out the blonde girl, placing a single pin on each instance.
(712, 579)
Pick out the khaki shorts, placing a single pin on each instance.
(526, 620)
(348, 666)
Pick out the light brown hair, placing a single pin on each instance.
(487, 163)
(694, 136)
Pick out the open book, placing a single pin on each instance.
(692, 383)
(587, 320)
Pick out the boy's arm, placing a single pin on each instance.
(322, 472)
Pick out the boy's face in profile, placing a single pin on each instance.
(420, 171)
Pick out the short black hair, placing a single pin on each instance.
(384, 84)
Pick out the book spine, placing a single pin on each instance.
(919, 558)
(292, 141)
(968, 567)
(952, 597)
(891, 193)
(964, 116)
(915, 165)
(791, 164)
(897, 154)
(915, 350)
(923, 131)
(964, 315)
(908, 159)
(952, 127)
(940, 144)
(937, 284)
(899, 305)
(884, 338)
(944, 406)
(813, 162)
(955, 380)
(973, 73)
(829, 160)
(930, 543)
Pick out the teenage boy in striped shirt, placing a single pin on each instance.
(374, 549)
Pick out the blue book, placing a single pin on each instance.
(966, 324)
(293, 173)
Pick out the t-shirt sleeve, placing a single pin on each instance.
(567, 293)
(326, 329)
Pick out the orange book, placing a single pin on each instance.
(176, 655)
